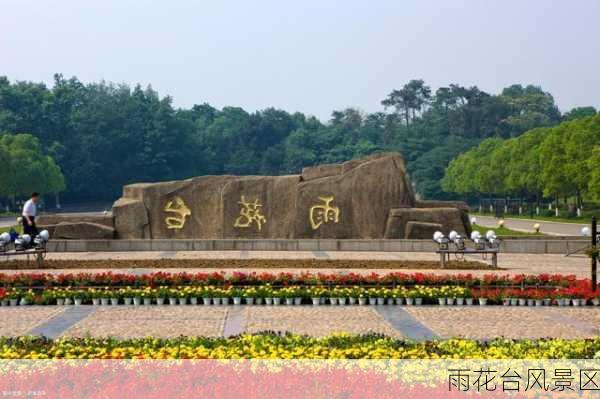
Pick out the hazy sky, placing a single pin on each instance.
(305, 55)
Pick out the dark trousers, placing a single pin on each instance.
(30, 229)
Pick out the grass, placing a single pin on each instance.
(575, 219)
(503, 231)
(18, 228)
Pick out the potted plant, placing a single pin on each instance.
(161, 293)
(249, 294)
(79, 296)
(207, 294)
(236, 294)
(469, 297)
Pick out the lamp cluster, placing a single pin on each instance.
(458, 242)
(23, 242)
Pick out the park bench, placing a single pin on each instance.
(445, 254)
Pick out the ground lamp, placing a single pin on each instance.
(478, 240)
(457, 240)
(22, 242)
(442, 240)
(41, 239)
(5, 240)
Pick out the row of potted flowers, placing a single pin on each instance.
(280, 279)
(296, 295)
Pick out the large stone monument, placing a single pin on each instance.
(365, 199)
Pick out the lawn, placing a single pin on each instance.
(504, 232)
(575, 220)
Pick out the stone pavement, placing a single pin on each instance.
(577, 264)
(423, 322)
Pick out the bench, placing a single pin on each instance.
(445, 255)
(38, 253)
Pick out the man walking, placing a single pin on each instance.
(29, 213)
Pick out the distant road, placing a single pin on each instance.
(552, 228)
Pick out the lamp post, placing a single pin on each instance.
(594, 243)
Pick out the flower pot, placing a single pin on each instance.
(399, 301)
(483, 301)
(441, 301)
(23, 302)
(469, 301)
(225, 301)
(316, 301)
(333, 301)
(372, 301)
(14, 302)
(539, 302)
(297, 301)
(137, 301)
(418, 301)
(237, 300)
(410, 301)
(268, 301)
(193, 300)
(147, 301)
(59, 302)
(362, 301)
(104, 301)
(522, 301)
(216, 301)
(183, 301)
(389, 301)
(78, 301)
(342, 301)
(596, 301)
(514, 301)
(289, 301)
(506, 302)
(323, 300)
(206, 301)
(68, 301)
(547, 302)
(380, 301)
(96, 301)
(173, 301)
(560, 302)
(530, 302)
(160, 301)
(351, 301)
(259, 301)
(5, 302)
(249, 301)
(127, 301)
(450, 301)
(460, 301)
(277, 301)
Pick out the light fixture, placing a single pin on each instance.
(442, 240)
(41, 239)
(22, 242)
(478, 240)
(5, 240)
(536, 227)
(457, 240)
(492, 239)
(585, 231)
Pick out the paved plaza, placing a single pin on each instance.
(414, 322)
(422, 322)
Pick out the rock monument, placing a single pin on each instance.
(370, 198)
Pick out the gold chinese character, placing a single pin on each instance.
(177, 206)
(249, 214)
(323, 213)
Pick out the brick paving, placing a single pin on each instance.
(317, 321)
(155, 321)
(421, 322)
(19, 320)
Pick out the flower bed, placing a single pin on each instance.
(269, 346)
(47, 280)
(300, 295)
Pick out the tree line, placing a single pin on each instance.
(24, 168)
(105, 135)
(558, 162)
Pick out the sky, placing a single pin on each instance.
(312, 56)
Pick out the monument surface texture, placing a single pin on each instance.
(370, 198)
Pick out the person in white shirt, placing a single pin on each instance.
(29, 213)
